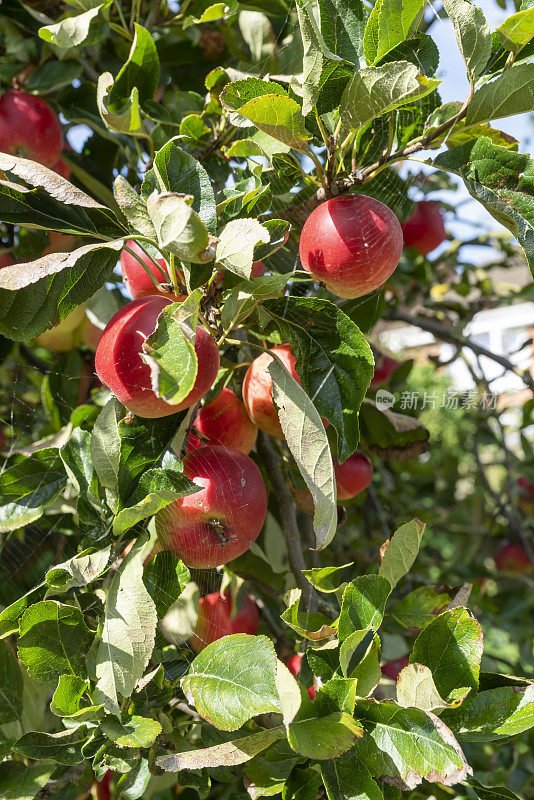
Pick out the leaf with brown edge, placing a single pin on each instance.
(36, 295)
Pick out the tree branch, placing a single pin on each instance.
(290, 526)
(447, 335)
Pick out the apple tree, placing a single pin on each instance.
(229, 567)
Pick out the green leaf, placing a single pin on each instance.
(170, 350)
(390, 23)
(363, 604)
(326, 579)
(9, 617)
(132, 731)
(401, 551)
(178, 227)
(347, 778)
(80, 570)
(391, 435)
(10, 685)
(406, 746)
(494, 714)
(420, 607)
(132, 785)
(157, 488)
(492, 792)
(255, 29)
(141, 70)
(333, 361)
(232, 680)
(517, 31)
(66, 700)
(315, 50)
(374, 91)
(237, 240)
(133, 207)
(178, 172)
(165, 578)
(53, 641)
(472, 34)
(52, 75)
(310, 625)
(243, 299)
(324, 738)
(64, 747)
(451, 646)
(125, 639)
(73, 31)
(306, 438)
(267, 106)
(267, 773)
(123, 116)
(106, 447)
(416, 688)
(49, 202)
(207, 11)
(35, 295)
(28, 486)
(226, 754)
(359, 659)
(512, 92)
(19, 781)
(342, 27)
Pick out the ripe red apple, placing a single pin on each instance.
(512, 557)
(29, 128)
(60, 243)
(526, 486)
(353, 476)
(258, 268)
(424, 230)
(247, 619)
(294, 664)
(219, 522)
(6, 260)
(120, 367)
(352, 243)
(103, 789)
(225, 421)
(137, 281)
(62, 168)
(213, 622)
(385, 366)
(391, 669)
(214, 619)
(257, 388)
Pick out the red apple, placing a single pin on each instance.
(225, 421)
(6, 260)
(62, 168)
(247, 619)
(257, 388)
(136, 279)
(391, 669)
(258, 268)
(120, 367)
(213, 620)
(294, 664)
(352, 243)
(353, 476)
(60, 243)
(218, 523)
(385, 366)
(103, 789)
(29, 128)
(512, 557)
(526, 486)
(424, 230)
